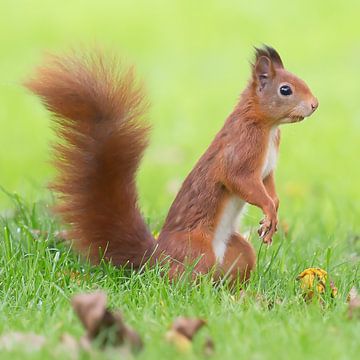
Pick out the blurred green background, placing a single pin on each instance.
(194, 58)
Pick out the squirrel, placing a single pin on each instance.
(99, 116)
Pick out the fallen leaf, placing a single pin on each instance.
(354, 303)
(91, 309)
(313, 281)
(29, 342)
(181, 342)
(188, 326)
(182, 332)
(102, 324)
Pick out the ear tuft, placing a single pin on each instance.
(271, 53)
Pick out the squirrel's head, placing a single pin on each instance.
(280, 95)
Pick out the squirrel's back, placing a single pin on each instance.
(98, 116)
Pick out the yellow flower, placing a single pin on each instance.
(313, 280)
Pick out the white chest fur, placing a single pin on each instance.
(232, 210)
(271, 154)
(226, 226)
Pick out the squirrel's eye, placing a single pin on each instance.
(285, 90)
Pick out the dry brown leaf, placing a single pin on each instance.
(354, 303)
(29, 342)
(182, 332)
(188, 326)
(101, 323)
(91, 309)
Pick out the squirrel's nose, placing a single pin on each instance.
(314, 104)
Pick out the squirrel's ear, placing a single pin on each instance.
(263, 71)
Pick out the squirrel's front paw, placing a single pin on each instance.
(267, 229)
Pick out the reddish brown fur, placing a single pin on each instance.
(232, 165)
(193, 216)
(97, 113)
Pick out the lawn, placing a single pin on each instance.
(194, 59)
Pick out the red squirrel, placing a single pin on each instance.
(99, 111)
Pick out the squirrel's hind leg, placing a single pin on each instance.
(239, 259)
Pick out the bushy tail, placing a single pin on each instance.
(97, 113)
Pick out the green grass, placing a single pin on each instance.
(194, 59)
(36, 286)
